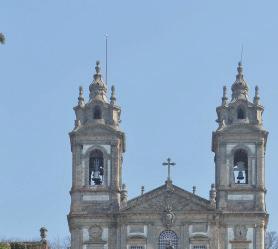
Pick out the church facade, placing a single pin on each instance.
(168, 217)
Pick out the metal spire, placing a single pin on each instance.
(106, 61)
(241, 54)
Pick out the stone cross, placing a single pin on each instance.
(168, 164)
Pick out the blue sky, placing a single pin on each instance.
(168, 61)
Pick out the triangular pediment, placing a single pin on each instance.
(243, 128)
(96, 129)
(180, 200)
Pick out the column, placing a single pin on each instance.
(76, 238)
(260, 235)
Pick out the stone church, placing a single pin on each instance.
(168, 217)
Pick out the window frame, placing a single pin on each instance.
(161, 243)
(246, 167)
(230, 161)
(107, 166)
(101, 158)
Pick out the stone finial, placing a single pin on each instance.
(239, 87)
(80, 97)
(224, 98)
(212, 195)
(124, 195)
(98, 88)
(97, 67)
(43, 233)
(194, 190)
(113, 96)
(240, 69)
(256, 100)
(142, 190)
(97, 75)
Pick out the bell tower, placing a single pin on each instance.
(97, 145)
(239, 144)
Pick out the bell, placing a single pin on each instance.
(240, 176)
(96, 178)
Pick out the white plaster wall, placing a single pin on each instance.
(105, 233)
(230, 146)
(242, 197)
(191, 231)
(85, 233)
(106, 147)
(230, 235)
(250, 236)
(138, 233)
(85, 148)
(88, 197)
(252, 148)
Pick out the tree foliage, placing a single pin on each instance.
(2, 38)
(271, 240)
(59, 243)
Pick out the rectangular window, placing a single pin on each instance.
(136, 247)
(199, 247)
(199, 228)
(136, 229)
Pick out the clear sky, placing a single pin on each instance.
(168, 61)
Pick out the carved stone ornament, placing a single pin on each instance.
(95, 233)
(240, 232)
(168, 217)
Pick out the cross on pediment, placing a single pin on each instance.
(169, 164)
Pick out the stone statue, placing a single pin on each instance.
(240, 232)
(95, 233)
(168, 216)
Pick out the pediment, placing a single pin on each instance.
(178, 199)
(96, 129)
(243, 128)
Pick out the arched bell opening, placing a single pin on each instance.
(97, 113)
(240, 168)
(241, 113)
(96, 168)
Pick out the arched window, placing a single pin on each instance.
(97, 112)
(240, 167)
(168, 240)
(241, 113)
(96, 168)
